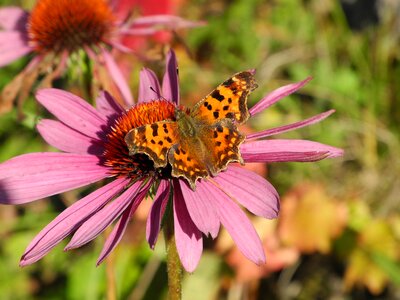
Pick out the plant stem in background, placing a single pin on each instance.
(110, 274)
(174, 267)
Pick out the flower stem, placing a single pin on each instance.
(174, 267)
(111, 284)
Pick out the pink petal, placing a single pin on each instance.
(189, 241)
(13, 45)
(287, 150)
(119, 229)
(170, 85)
(118, 77)
(67, 139)
(157, 212)
(107, 106)
(239, 227)
(149, 87)
(169, 21)
(115, 43)
(33, 63)
(92, 55)
(290, 127)
(99, 222)
(277, 95)
(37, 175)
(250, 190)
(200, 207)
(114, 4)
(13, 18)
(116, 235)
(139, 31)
(73, 111)
(69, 220)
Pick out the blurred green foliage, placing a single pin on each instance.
(356, 72)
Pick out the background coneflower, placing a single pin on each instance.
(55, 29)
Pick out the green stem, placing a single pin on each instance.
(87, 79)
(110, 274)
(174, 267)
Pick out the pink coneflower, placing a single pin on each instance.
(149, 8)
(94, 144)
(55, 29)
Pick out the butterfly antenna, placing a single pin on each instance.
(157, 93)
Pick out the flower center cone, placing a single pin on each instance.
(116, 154)
(58, 25)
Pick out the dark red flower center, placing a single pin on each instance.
(116, 154)
(57, 25)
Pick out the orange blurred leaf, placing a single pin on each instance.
(310, 219)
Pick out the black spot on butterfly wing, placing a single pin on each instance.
(217, 95)
(154, 127)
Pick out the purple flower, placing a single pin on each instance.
(94, 149)
(55, 29)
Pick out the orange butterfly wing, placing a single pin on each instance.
(155, 140)
(206, 153)
(228, 100)
(187, 161)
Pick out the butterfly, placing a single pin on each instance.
(201, 141)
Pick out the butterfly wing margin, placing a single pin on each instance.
(228, 100)
(225, 140)
(187, 161)
(154, 140)
(192, 158)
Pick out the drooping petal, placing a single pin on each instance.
(250, 190)
(34, 176)
(107, 105)
(13, 18)
(67, 139)
(116, 235)
(189, 241)
(277, 95)
(239, 227)
(170, 84)
(287, 150)
(117, 77)
(20, 85)
(13, 45)
(200, 207)
(47, 81)
(290, 127)
(139, 31)
(33, 63)
(122, 8)
(119, 229)
(70, 219)
(157, 212)
(115, 42)
(169, 21)
(149, 87)
(115, 4)
(73, 111)
(99, 222)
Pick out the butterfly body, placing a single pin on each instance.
(201, 142)
(186, 124)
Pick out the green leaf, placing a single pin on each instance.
(391, 268)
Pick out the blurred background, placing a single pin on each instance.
(338, 234)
